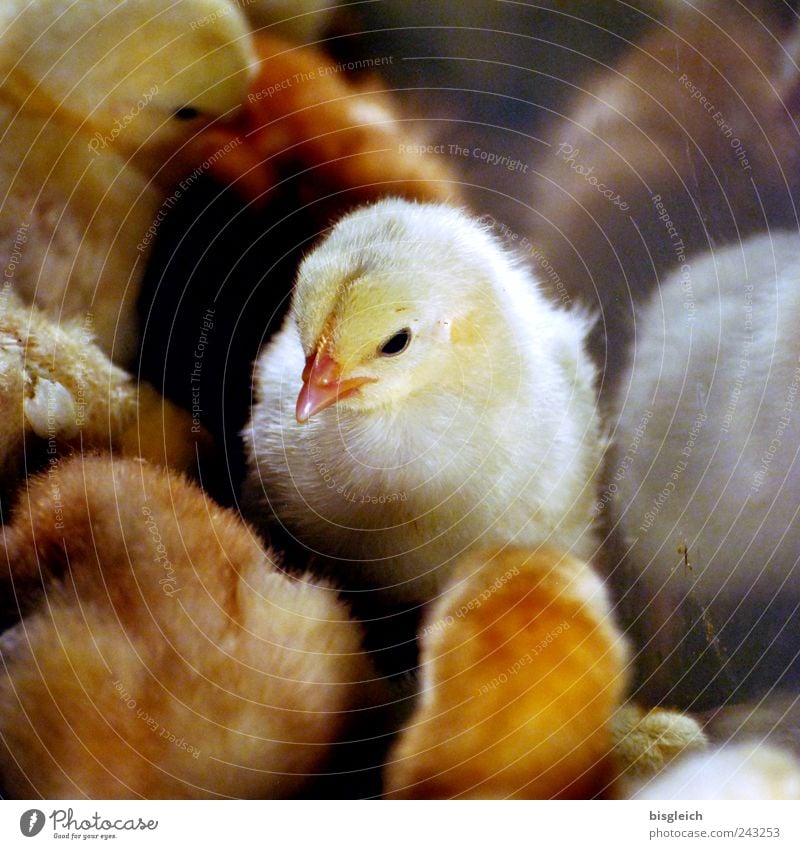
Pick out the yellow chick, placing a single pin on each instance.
(421, 398)
(96, 100)
(164, 653)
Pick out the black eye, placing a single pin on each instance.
(396, 344)
(187, 113)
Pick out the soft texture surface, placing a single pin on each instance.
(704, 475)
(59, 392)
(689, 141)
(346, 137)
(739, 771)
(97, 102)
(164, 654)
(394, 459)
(522, 670)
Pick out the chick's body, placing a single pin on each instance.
(444, 403)
(98, 102)
(706, 509)
(163, 652)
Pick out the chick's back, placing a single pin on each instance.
(164, 654)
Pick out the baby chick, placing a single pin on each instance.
(97, 101)
(422, 397)
(522, 671)
(163, 654)
(346, 141)
(704, 476)
(745, 771)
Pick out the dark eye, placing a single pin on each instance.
(396, 344)
(187, 113)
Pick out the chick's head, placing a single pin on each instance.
(398, 300)
(133, 71)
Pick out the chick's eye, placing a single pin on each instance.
(396, 344)
(186, 113)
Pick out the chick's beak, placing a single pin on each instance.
(323, 387)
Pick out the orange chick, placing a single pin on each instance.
(522, 670)
(302, 112)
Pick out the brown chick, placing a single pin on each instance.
(522, 672)
(165, 654)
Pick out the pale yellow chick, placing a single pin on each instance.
(96, 101)
(422, 397)
(59, 392)
(739, 771)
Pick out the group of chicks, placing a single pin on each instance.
(425, 430)
(696, 129)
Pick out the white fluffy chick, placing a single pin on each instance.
(422, 397)
(745, 771)
(705, 474)
(96, 100)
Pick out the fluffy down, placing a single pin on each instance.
(164, 654)
(522, 673)
(59, 391)
(97, 100)
(648, 741)
(690, 141)
(740, 771)
(443, 403)
(704, 476)
(346, 139)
